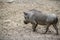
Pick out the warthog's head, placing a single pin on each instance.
(26, 16)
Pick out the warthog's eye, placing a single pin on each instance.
(26, 17)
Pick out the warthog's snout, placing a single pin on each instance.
(25, 22)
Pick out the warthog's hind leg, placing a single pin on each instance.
(46, 29)
(55, 26)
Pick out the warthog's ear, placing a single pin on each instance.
(25, 13)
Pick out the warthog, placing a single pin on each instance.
(36, 17)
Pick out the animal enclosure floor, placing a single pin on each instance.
(13, 28)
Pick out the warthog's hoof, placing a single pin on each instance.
(34, 30)
(57, 33)
(44, 33)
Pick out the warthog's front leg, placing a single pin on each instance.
(34, 27)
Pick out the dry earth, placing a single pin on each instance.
(11, 20)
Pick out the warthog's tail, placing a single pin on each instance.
(57, 21)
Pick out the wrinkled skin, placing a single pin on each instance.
(37, 17)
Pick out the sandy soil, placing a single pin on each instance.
(11, 20)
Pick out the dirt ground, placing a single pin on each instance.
(11, 20)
